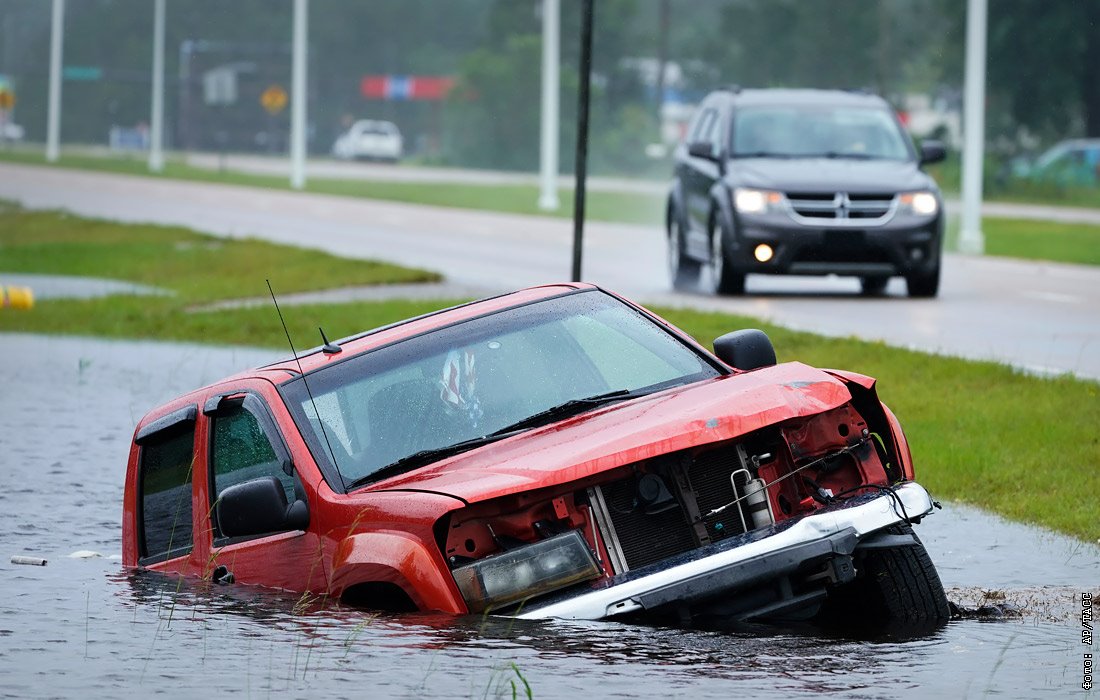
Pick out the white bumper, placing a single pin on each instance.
(864, 519)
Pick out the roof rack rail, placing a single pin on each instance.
(733, 87)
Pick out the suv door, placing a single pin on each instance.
(698, 177)
(246, 445)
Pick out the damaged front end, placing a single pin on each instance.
(798, 520)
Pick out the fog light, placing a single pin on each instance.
(763, 252)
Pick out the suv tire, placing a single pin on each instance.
(723, 278)
(682, 270)
(924, 286)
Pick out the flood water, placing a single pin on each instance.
(84, 626)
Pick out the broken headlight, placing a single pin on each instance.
(526, 571)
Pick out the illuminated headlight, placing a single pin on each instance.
(920, 203)
(527, 571)
(749, 201)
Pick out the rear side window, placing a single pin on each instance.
(167, 460)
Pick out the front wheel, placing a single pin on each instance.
(926, 285)
(723, 278)
(897, 589)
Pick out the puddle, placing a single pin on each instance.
(83, 626)
(71, 287)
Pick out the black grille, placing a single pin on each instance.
(710, 478)
(643, 538)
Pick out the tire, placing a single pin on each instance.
(898, 589)
(683, 272)
(723, 278)
(873, 286)
(924, 286)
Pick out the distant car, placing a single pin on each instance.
(554, 452)
(803, 182)
(10, 131)
(369, 139)
(1073, 163)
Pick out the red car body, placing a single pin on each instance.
(405, 541)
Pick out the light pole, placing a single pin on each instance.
(551, 61)
(156, 118)
(970, 234)
(298, 97)
(53, 115)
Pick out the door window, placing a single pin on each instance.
(167, 460)
(244, 447)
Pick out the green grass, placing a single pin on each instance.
(512, 199)
(981, 433)
(1042, 240)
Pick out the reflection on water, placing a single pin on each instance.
(86, 627)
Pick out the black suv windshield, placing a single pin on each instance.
(814, 131)
(455, 388)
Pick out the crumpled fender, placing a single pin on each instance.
(398, 558)
(902, 443)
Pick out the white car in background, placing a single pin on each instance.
(369, 139)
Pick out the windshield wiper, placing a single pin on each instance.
(569, 408)
(419, 459)
(853, 156)
(763, 154)
(565, 410)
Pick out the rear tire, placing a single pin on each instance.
(924, 286)
(898, 589)
(683, 272)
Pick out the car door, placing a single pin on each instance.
(245, 444)
(699, 177)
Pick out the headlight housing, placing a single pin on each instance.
(919, 203)
(748, 200)
(527, 571)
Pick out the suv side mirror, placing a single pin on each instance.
(701, 149)
(745, 349)
(259, 506)
(932, 152)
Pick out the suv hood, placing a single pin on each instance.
(610, 437)
(828, 175)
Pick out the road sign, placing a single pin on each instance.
(85, 73)
(7, 99)
(274, 99)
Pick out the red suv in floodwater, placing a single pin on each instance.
(554, 452)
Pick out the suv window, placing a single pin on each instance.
(242, 448)
(167, 459)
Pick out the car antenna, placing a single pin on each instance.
(331, 452)
(328, 348)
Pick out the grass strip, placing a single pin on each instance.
(981, 433)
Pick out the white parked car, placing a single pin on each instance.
(369, 139)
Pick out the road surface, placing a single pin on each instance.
(1043, 317)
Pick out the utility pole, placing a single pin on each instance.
(53, 116)
(156, 119)
(551, 62)
(970, 235)
(298, 97)
(582, 136)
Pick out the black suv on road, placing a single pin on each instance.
(803, 182)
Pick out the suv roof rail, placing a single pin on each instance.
(732, 87)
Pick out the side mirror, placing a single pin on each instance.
(701, 149)
(745, 349)
(932, 152)
(259, 506)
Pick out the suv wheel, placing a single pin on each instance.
(924, 285)
(873, 286)
(682, 270)
(723, 278)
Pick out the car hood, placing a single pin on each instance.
(594, 442)
(828, 174)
